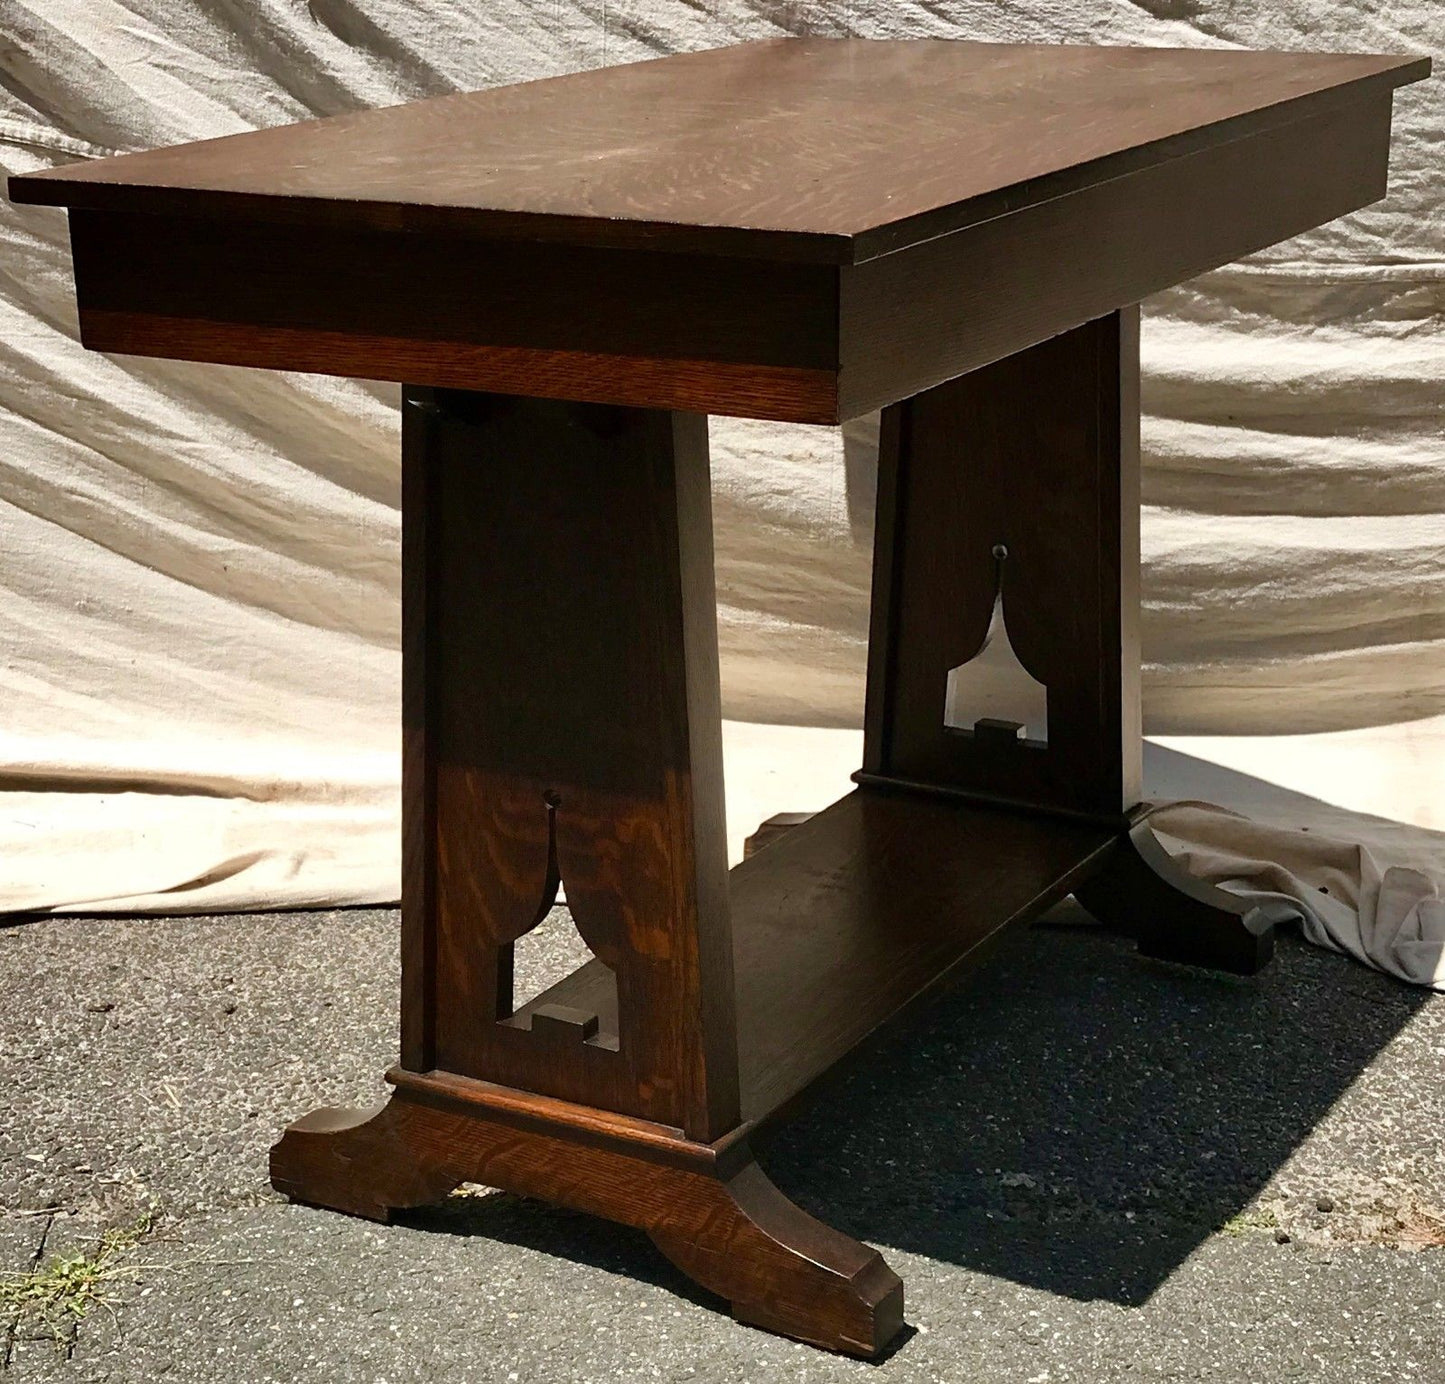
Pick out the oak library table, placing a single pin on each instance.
(569, 276)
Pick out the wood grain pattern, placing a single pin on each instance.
(1035, 458)
(718, 1218)
(567, 275)
(759, 338)
(586, 1124)
(561, 637)
(1038, 455)
(565, 545)
(801, 343)
(856, 913)
(912, 320)
(784, 393)
(832, 150)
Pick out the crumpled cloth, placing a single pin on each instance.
(1388, 915)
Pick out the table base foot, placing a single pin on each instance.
(709, 1208)
(362, 1162)
(1144, 891)
(784, 1271)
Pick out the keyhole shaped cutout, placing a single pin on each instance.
(547, 953)
(992, 695)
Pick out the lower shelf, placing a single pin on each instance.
(849, 917)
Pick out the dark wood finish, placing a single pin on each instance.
(789, 394)
(361, 283)
(837, 256)
(711, 1210)
(1139, 888)
(1037, 454)
(1037, 458)
(418, 764)
(861, 910)
(910, 321)
(800, 230)
(832, 150)
(562, 691)
(706, 333)
(850, 918)
(1144, 891)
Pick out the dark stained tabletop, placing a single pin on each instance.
(832, 150)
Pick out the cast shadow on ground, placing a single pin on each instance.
(1074, 1118)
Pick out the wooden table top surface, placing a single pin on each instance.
(824, 150)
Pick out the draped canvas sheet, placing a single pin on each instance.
(199, 592)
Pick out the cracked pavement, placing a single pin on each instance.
(1085, 1166)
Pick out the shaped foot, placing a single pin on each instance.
(710, 1209)
(1144, 891)
(364, 1162)
(784, 1271)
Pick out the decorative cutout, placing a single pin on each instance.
(992, 696)
(551, 949)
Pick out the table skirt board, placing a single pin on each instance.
(805, 343)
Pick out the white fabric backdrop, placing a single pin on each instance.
(199, 593)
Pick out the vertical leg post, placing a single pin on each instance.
(563, 724)
(1009, 513)
(562, 728)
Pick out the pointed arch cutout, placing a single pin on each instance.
(992, 694)
(533, 956)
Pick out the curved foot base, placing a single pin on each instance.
(1144, 891)
(363, 1162)
(784, 1271)
(710, 1209)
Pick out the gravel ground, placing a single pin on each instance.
(1085, 1166)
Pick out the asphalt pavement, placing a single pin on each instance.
(1084, 1165)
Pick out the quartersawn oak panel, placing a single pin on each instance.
(912, 320)
(749, 338)
(561, 697)
(815, 149)
(851, 916)
(1037, 456)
